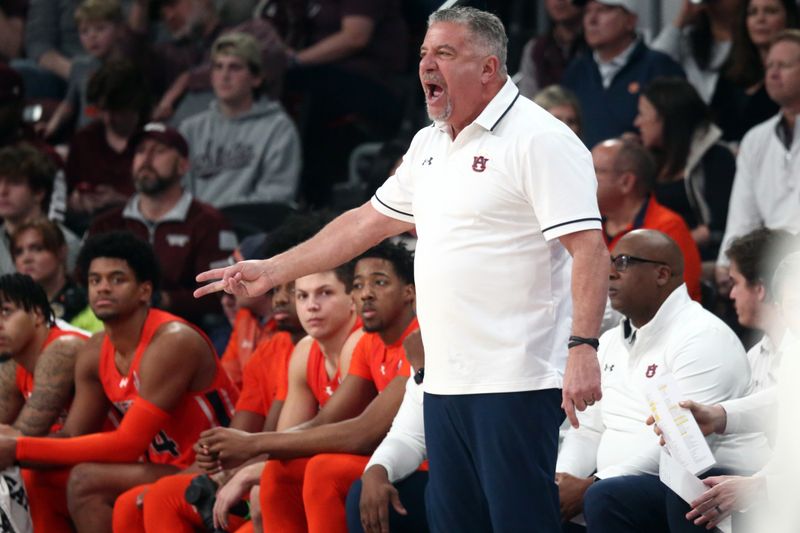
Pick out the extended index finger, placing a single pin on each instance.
(210, 288)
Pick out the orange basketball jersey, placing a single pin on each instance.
(375, 361)
(196, 412)
(321, 385)
(24, 379)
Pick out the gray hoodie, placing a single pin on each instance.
(251, 158)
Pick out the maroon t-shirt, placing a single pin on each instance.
(92, 161)
(386, 51)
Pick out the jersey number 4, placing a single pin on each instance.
(163, 444)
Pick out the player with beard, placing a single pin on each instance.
(37, 380)
(321, 459)
(157, 372)
(189, 233)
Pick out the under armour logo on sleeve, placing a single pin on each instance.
(427, 162)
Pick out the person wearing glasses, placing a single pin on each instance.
(626, 175)
(608, 467)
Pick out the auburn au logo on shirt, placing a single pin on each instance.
(479, 163)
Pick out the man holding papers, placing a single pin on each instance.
(608, 467)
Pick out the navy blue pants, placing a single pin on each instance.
(412, 495)
(492, 461)
(631, 504)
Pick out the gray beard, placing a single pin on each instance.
(448, 110)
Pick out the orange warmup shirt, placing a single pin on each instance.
(247, 333)
(309, 494)
(265, 374)
(655, 216)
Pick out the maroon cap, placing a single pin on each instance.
(11, 86)
(163, 134)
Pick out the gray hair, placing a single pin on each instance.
(484, 27)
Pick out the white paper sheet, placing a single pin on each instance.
(685, 442)
(684, 484)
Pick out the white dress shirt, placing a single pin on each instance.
(766, 189)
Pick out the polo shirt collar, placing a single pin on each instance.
(495, 110)
(178, 213)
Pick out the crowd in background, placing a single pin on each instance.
(200, 125)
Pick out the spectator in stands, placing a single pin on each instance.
(13, 128)
(625, 177)
(51, 44)
(100, 26)
(245, 148)
(545, 58)
(562, 104)
(26, 185)
(608, 80)
(700, 40)
(744, 101)
(40, 251)
(187, 235)
(608, 467)
(347, 79)
(100, 155)
(185, 62)
(695, 171)
(12, 28)
(767, 169)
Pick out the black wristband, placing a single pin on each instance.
(574, 341)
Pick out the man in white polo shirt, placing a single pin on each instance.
(608, 467)
(501, 194)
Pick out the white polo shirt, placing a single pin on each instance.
(493, 281)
